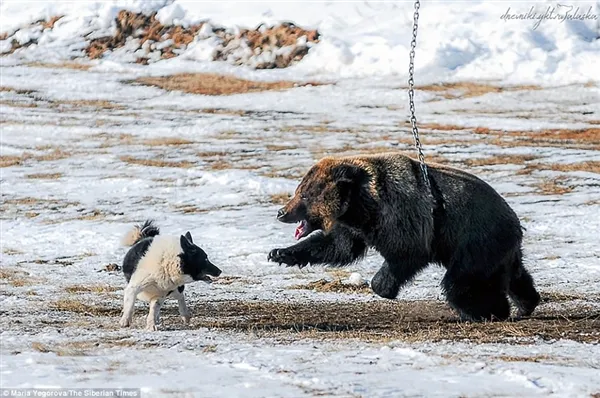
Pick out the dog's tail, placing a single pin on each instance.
(146, 230)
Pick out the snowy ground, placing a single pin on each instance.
(86, 154)
(74, 189)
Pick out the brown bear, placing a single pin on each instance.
(382, 202)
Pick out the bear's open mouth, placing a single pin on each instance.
(302, 230)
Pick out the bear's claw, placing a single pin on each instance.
(284, 256)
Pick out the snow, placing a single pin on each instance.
(72, 228)
(358, 39)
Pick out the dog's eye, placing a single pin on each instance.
(303, 197)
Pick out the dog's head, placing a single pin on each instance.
(323, 197)
(194, 261)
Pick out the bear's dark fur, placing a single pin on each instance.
(382, 202)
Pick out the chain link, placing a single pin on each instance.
(411, 93)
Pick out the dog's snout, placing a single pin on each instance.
(281, 212)
(213, 270)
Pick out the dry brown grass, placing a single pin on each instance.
(589, 135)
(92, 289)
(16, 90)
(44, 176)
(11, 252)
(500, 159)
(17, 160)
(292, 173)
(166, 141)
(554, 186)
(472, 89)
(280, 198)
(84, 308)
(440, 127)
(532, 358)
(214, 84)
(37, 203)
(17, 277)
(157, 162)
(16, 104)
(49, 23)
(559, 297)
(64, 350)
(221, 165)
(60, 65)
(588, 138)
(380, 320)
(98, 104)
(588, 166)
(146, 28)
(335, 286)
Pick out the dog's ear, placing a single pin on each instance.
(186, 245)
(189, 236)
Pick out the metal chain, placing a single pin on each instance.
(411, 93)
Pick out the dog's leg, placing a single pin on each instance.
(157, 313)
(153, 315)
(183, 309)
(129, 296)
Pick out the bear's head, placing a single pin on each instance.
(327, 193)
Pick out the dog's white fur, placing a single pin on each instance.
(157, 273)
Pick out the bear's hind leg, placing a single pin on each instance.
(476, 298)
(522, 290)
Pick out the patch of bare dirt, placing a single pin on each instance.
(335, 286)
(214, 84)
(390, 320)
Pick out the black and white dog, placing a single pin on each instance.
(157, 267)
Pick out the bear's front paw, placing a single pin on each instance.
(384, 284)
(285, 256)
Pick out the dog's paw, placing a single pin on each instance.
(285, 256)
(151, 327)
(186, 319)
(124, 322)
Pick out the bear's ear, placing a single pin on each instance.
(348, 179)
(189, 236)
(345, 189)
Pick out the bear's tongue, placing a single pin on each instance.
(300, 230)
